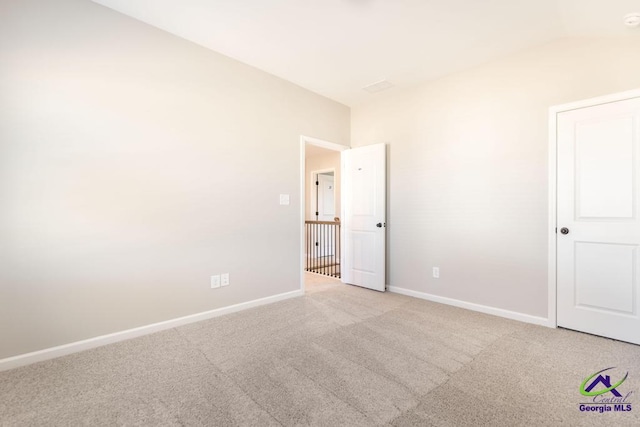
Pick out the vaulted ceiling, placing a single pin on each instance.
(337, 47)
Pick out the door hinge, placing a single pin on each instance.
(317, 182)
(317, 213)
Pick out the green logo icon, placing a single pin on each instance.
(606, 382)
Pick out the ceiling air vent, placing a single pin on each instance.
(378, 86)
(632, 20)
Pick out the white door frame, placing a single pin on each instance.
(552, 317)
(304, 140)
(313, 206)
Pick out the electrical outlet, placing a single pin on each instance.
(225, 279)
(215, 281)
(436, 272)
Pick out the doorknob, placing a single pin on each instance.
(564, 230)
(379, 225)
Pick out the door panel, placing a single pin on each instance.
(361, 242)
(597, 267)
(598, 263)
(604, 171)
(364, 195)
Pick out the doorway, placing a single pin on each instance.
(594, 260)
(321, 206)
(361, 241)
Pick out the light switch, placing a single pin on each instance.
(215, 281)
(284, 199)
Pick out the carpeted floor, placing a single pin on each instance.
(340, 355)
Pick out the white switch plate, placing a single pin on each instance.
(215, 281)
(225, 279)
(284, 199)
(436, 272)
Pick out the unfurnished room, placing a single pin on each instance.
(319, 212)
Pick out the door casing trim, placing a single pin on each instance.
(304, 140)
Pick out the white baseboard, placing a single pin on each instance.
(63, 350)
(513, 315)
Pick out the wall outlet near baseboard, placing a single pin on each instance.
(215, 281)
(436, 272)
(225, 279)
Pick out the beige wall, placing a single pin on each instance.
(134, 165)
(327, 160)
(468, 168)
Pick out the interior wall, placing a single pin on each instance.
(133, 166)
(328, 159)
(468, 168)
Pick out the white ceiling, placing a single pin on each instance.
(336, 47)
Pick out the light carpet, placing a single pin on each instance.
(340, 355)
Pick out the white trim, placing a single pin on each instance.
(552, 187)
(322, 144)
(614, 97)
(513, 315)
(66, 349)
(551, 250)
(304, 140)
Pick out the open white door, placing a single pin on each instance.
(325, 197)
(363, 224)
(598, 264)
